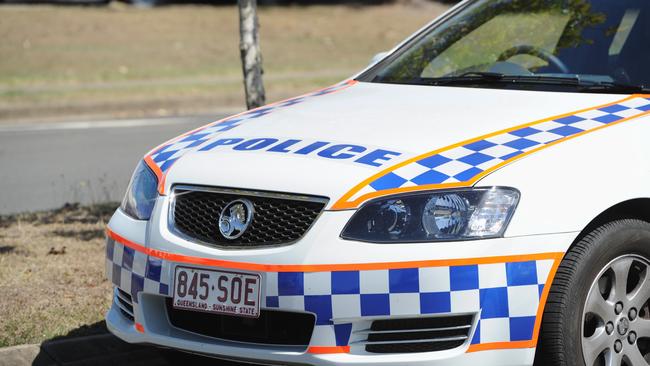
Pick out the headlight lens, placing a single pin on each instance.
(461, 214)
(142, 193)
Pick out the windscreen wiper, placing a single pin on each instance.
(613, 87)
(475, 77)
(583, 85)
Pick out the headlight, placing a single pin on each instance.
(141, 194)
(461, 214)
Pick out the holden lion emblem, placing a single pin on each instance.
(235, 218)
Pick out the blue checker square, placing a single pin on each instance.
(521, 328)
(164, 155)
(293, 101)
(521, 143)
(494, 302)
(110, 248)
(511, 155)
(259, 113)
(479, 145)
(137, 284)
(433, 161)
(228, 125)
(168, 164)
(162, 148)
(291, 283)
(194, 137)
(403, 280)
(342, 333)
(196, 143)
(272, 301)
(154, 267)
(375, 304)
(608, 118)
(566, 131)
(127, 258)
(463, 277)
(468, 174)
(321, 305)
(521, 273)
(388, 181)
(541, 290)
(164, 289)
(345, 282)
(644, 108)
(477, 333)
(476, 159)
(614, 108)
(569, 120)
(435, 302)
(526, 131)
(430, 177)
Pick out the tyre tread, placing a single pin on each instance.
(551, 347)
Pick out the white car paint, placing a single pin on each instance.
(563, 187)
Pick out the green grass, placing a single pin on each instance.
(91, 60)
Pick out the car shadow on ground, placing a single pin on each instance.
(94, 345)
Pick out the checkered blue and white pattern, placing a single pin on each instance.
(166, 155)
(134, 271)
(463, 163)
(506, 295)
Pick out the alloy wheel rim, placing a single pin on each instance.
(616, 316)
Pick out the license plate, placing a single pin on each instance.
(222, 292)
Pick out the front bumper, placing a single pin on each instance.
(502, 283)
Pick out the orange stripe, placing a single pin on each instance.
(180, 258)
(156, 170)
(555, 256)
(139, 327)
(542, 300)
(343, 203)
(538, 319)
(324, 350)
(153, 166)
(500, 345)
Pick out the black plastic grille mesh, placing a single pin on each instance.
(428, 334)
(272, 327)
(276, 221)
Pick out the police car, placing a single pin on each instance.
(480, 195)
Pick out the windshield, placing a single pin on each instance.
(519, 44)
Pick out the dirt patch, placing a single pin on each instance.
(48, 291)
(70, 213)
(83, 235)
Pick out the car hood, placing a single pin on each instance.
(327, 142)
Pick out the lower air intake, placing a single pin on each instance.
(124, 303)
(418, 334)
(274, 328)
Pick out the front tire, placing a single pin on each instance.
(597, 308)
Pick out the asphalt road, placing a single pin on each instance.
(43, 166)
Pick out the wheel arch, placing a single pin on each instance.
(637, 208)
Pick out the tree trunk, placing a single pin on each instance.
(251, 56)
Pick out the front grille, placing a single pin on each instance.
(278, 328)
(124, 303)
(278, 219)
(417, 334)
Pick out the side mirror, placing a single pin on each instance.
(378, 57)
